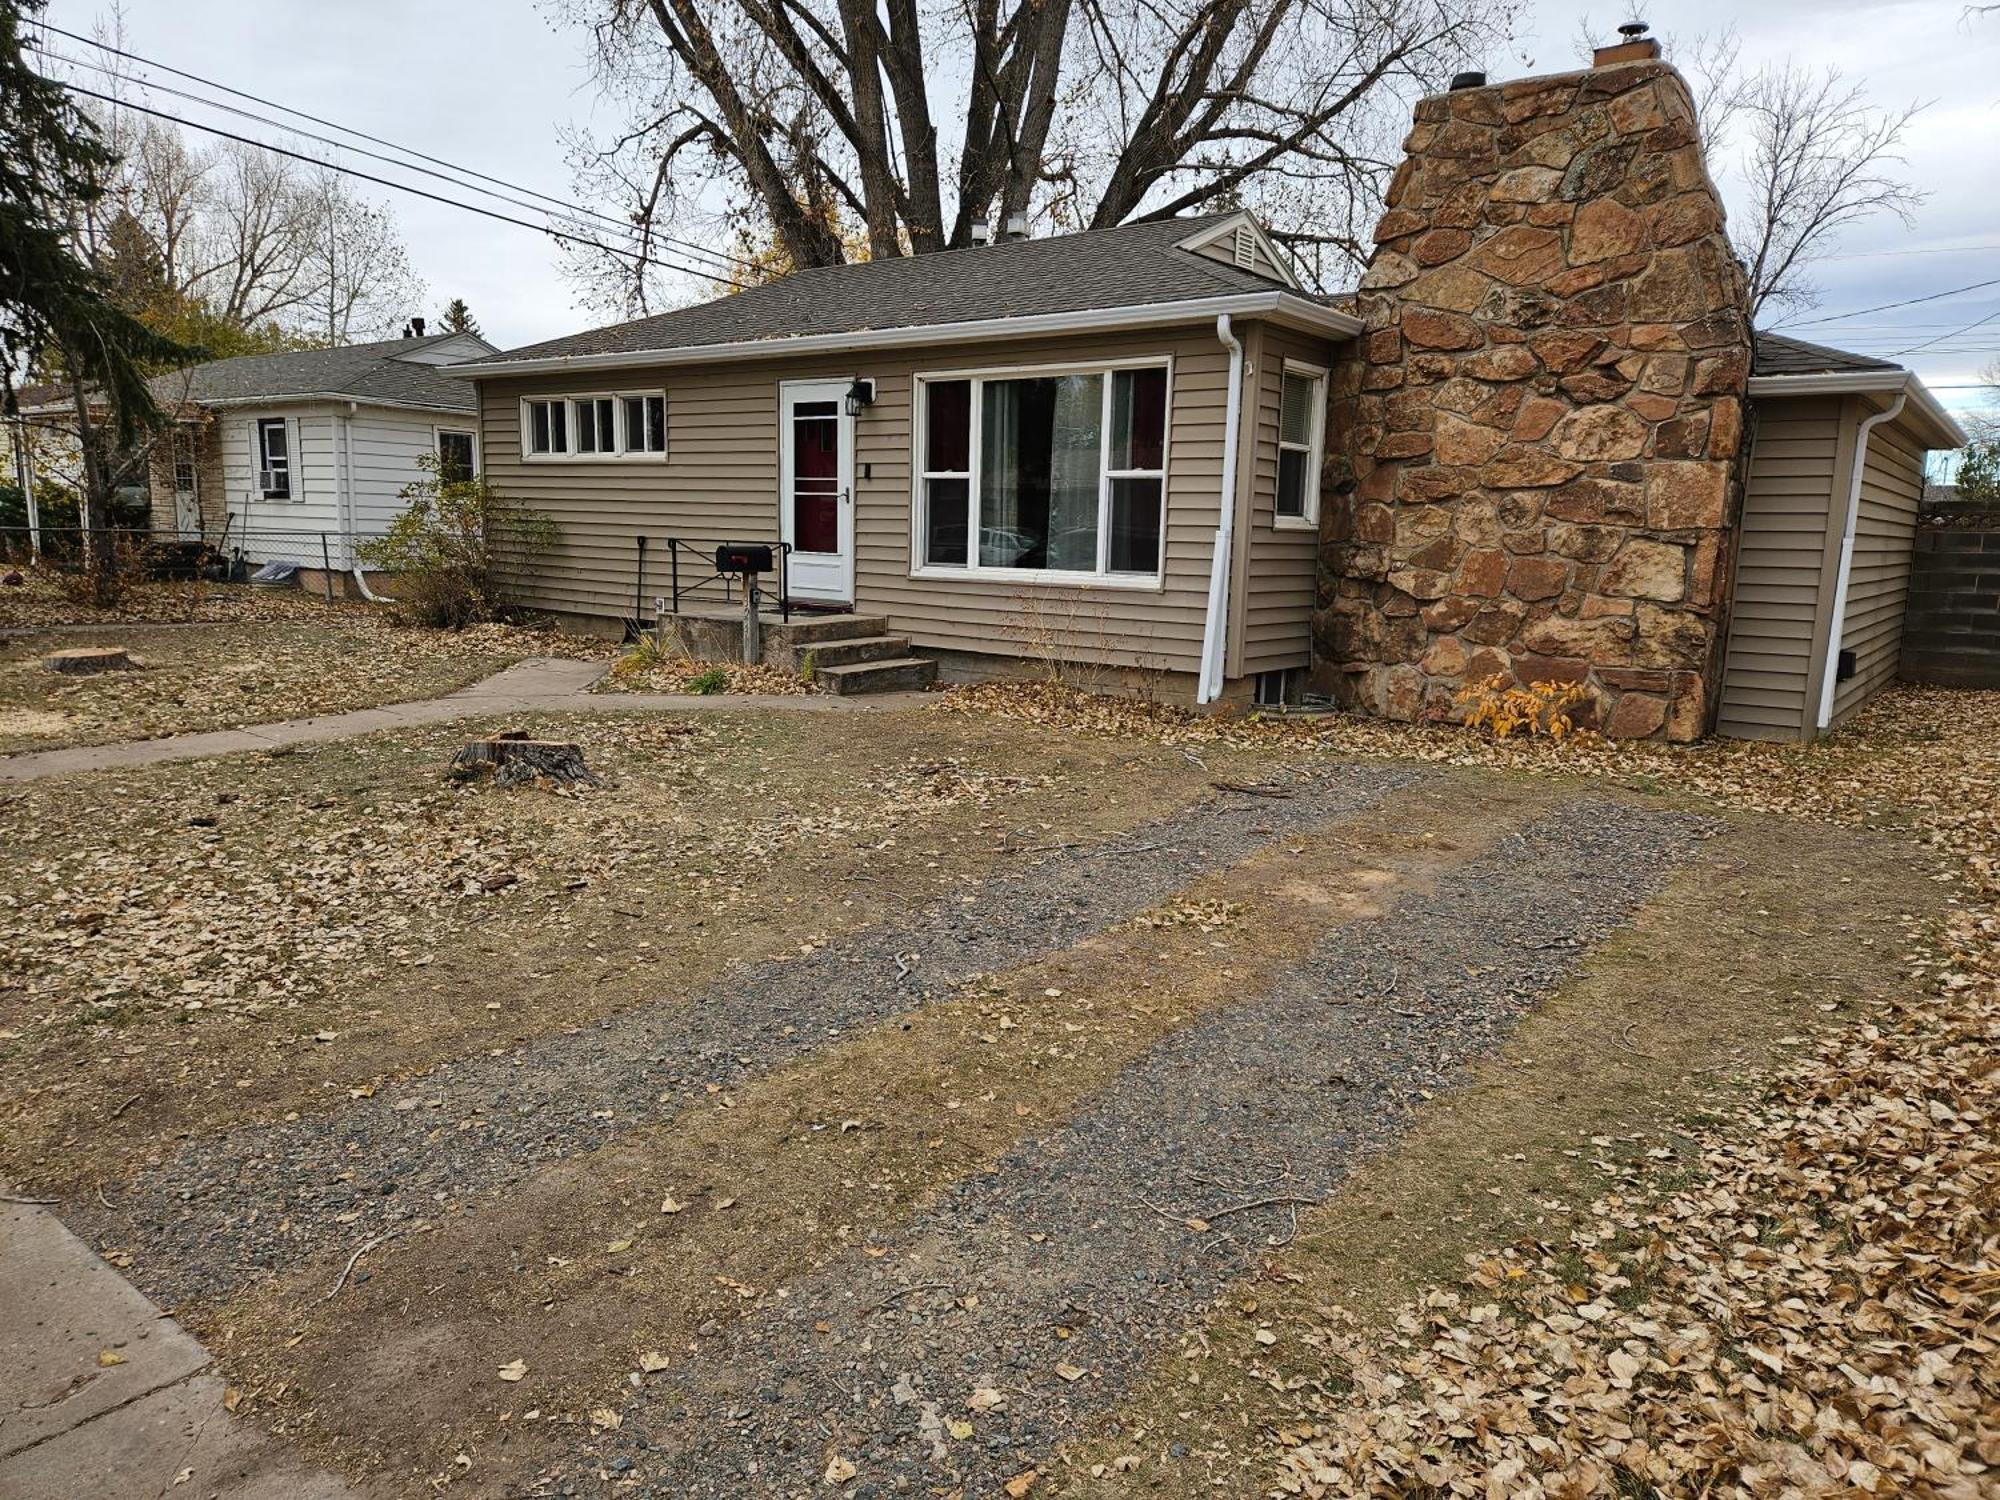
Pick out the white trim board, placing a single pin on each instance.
(1281, 306)
(1867, 383)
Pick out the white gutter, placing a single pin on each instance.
(1839, 621)
(1283, 306)
(1215, 630)
(1868, 383)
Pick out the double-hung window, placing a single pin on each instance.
(274, 459)
(614, 425)
(1301, 430)
(1060, 472)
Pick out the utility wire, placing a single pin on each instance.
(561, 203)
(559, 235)
(248, 114)
(1884, 307)
(1976, 323)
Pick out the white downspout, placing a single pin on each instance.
(1839, 621)
(346, 508)
(1215, 633)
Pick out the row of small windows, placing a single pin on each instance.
(616, 426)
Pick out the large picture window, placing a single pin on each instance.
(1060, 472)
(614, 425)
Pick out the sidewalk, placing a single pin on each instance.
(101, 1393)
(539, 684)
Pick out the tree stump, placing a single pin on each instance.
(88, 661)
(513, 759)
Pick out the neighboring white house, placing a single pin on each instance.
(294, 457)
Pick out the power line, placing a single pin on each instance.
(1884, 307)
(1934, 250)
(1976, 323)
(249, 114)
(402, 187)
(683, 245)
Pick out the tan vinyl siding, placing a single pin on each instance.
(1272, 625)
(1892, 483)
(719, 481)
(1775, 621)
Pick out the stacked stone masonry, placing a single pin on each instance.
(1536, 447)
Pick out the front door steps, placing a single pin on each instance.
(845, 653)
(848, 653)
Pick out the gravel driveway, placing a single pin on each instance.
(223, 1212)
(1119, 1228)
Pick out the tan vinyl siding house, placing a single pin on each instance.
(1802, 471)
(718, 481)
(725, 376)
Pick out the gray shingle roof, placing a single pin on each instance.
(365, 372)
(1132, 265)
(1778, 355)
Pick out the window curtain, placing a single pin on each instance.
(1041, 454)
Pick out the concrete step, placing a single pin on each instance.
(806, 630)
(897, 675)
(843, 653)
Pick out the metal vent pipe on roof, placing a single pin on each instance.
(1467, 81)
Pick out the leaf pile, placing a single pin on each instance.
(1815, 1314)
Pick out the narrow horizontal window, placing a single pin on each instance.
(614, 425)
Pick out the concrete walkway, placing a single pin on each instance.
(540, 684)
(101, 1393)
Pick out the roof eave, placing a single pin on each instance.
(330, 397)
(1944, 429)
(1277, 304)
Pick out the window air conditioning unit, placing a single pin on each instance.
(273, 481)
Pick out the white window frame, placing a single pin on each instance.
(439, 429)
(920, 567)
(1314, 449)
(261, 459)
(570, 400)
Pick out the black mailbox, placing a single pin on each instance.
(742, 557)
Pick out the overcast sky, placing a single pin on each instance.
(487, 83)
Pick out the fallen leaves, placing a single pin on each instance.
(513, 1370)
(1813, 1313)
(838, 1470)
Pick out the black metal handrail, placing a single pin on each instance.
(705, 550)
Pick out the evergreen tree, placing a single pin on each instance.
(56, 312)
(458, 318)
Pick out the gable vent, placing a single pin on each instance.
(1246, 247)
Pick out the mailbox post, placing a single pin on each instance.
(747, 560)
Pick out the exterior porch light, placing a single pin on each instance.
(860, 396)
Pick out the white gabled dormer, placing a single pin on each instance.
(446, 351)
(1240, 241)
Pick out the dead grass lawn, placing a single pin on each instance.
(193, 945)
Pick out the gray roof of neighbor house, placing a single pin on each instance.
(353, 372)
(1778, 355)
(1131, 265)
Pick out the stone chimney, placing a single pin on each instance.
(1545, 417)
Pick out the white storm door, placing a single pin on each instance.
(816, 488)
